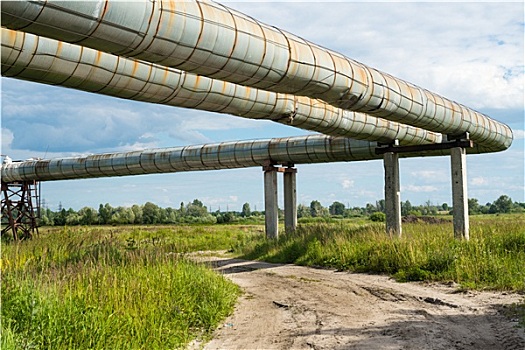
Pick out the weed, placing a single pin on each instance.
(492, 259)
(98, 289)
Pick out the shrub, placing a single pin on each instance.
(378, 216)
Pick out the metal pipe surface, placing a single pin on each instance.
(225, 155)
(30, 57)
(213, 40)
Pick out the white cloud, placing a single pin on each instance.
(518, 134)
(47, 119)
(15, 153)
(484, 84)
(428, 174)
(217, 122)
(477, 62)
(416, 188)
(347, 184)
(479, 181)
(7, 138)
(137, 146)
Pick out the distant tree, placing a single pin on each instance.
(354, 212)
(503, 204)
(369, 209)
(122, 215)
(170, 216)
(196, 209)
(150, 213)
(518, 207)
(197, 203)
(473, 206)
(246, 212)
(316, 209)
(88, 216)
(485, 209)
(303, 211)
(406, 207)
(128, 215)
(72, 219)
(104, 213)
(225, 218)
(47, 217)
(445, 207)
(337, 208)
(380, 205)
(137, 212)
(60, 219)
(429, 208)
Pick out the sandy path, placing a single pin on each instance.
(293, 307)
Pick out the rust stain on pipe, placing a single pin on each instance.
(151, 83)
(249, 53)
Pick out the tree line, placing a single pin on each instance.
(196, 212)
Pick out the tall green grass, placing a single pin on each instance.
(494, 258)
(106, 289)
(132, 288)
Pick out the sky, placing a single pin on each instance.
(470, 52)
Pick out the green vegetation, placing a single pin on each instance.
(131, 287)
(492, 259)
(378, 216)
(196, 212)
(102, 288)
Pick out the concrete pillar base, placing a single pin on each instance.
(290, 199)
(271, 208)
(392, 194)
(458, 166)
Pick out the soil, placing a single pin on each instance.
(295, 307)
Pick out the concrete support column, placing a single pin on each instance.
(290, 200)
(392, 194)
(271, 208)
(458, 165)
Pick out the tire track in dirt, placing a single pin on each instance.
(294, 307)
(508, 337)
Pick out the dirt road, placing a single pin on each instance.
(293, 307)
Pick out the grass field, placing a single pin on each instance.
(132, 287)
(494, 258)
(110, 288)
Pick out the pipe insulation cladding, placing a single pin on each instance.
(227, 155)
(30, 57)
(211, 39)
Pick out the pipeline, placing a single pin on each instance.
(212, 40)
(226, 155)
(30, 57)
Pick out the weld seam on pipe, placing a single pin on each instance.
(354, 86)
(126, 78)
(226, 155)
